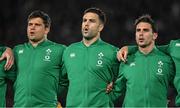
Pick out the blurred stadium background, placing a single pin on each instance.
(66, 18)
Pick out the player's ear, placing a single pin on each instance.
(101, 26)
(155, 35)
(47, 29)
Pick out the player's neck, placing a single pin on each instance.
(90, 41)
(147, 49)
(35, 43)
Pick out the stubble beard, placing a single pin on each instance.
(88, 36)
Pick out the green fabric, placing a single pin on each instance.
(132, 49)
(3, 84)
(38, 73)
(164, 48)
(89, 70)
(2, 49)
(145, 78)
(174, 51)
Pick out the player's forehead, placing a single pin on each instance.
(90, 15)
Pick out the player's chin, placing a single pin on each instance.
(85, 35)
(141, 44)
(31, 38)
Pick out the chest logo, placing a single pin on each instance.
(159, 70)
(100, 60)
(72, 55)
(177, 44)
(47, 55)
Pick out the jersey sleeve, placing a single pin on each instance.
(63, 79)
(164, 48)
(12, 73)
(119, 84)
(9, 74)
(2, 49)
(171, 73)
(115, 65)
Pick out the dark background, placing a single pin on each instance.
(66, 18)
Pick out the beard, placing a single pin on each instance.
(88, 36)
(34, 39)
(144, 45)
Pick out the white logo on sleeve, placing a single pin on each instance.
(47, 55)
(21, 51)
(100, 60)
(132, 64)
(72, 55)
(177, 44)
(159, 70)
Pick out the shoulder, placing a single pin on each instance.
(108, 46)
(2, 48)
(74, 46)
(54, 44)
(175, 42)
(163, 56)
(20, 46)
(57, 48)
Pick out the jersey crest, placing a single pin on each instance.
(47, 55)
(100, 60)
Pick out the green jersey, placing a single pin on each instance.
(3, 84)
(145, 79)
(2, 49)
(38, 72)
(89, 70)
(173, 49)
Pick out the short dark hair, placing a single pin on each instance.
(44, 16)
(147, 18)
(99, 12)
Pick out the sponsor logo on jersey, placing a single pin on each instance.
(72, 55)
(132, 64)
(100, 60)
(21, 51)
(159, 70)
(177, 44)
(47, 55)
